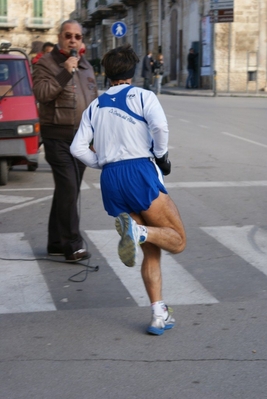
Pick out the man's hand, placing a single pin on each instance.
(164, 164)
(71, 64)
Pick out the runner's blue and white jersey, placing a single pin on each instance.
(125, 122)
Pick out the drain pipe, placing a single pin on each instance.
(159, 27)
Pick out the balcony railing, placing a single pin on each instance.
(39, 23)
(6, 22)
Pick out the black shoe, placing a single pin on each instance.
(54, 250)
(81, 254)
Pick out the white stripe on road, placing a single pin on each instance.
(242, 138)
(13, 199)
(217, 184)
(179, 286)
(84, 186)
(22, 286)
(13, 208)
(248, 242)
(208, 184)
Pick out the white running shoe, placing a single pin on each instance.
(158, 325)
(128, 245)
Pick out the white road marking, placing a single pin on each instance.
(218, 184)
(179, 286)
(22, 286)
(84, 186)
(96, 185)
(27, 189)
(248, 242)
(242, 138)
(13, 199)
(15, 207)
(208, 184)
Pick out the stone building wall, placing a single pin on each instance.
(241, 48)
(55, 10)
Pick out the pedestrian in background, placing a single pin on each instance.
(158, 72)
(191, 68)
(64, 85)
(46, 48)
(147, 69)
(133, 156)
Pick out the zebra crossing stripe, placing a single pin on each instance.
(248, 242)
(22, 286)
(13, 199)
(179, 286)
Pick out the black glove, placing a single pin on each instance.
(164, 164)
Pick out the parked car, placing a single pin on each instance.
(19, 120)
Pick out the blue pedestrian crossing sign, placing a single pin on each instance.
(119, 29)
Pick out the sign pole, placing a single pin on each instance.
(214, 65)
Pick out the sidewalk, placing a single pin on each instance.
(171, 88)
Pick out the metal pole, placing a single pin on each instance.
(229, 54)
(247, 69)
(214, 70)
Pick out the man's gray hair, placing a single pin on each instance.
(69, 21)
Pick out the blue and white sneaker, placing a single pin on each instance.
(158, 325)
(128, 245)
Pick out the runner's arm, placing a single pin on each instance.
(80, 145)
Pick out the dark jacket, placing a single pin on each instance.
(62, 96)
(192, 61)
(147, 67)
(158, 68)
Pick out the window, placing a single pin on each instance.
(37, 8)
(14, 78)
(3, 8)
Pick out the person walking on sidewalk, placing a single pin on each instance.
(191, 67)
(64, 85)
(158, 72)
(133, 156)
(147, 70)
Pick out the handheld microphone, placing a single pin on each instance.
(73, 53)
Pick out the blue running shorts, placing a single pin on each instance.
(130, 185)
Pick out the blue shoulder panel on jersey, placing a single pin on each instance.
(118, 100)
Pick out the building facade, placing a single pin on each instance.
(233, 52)
(29, 24)
(236, 52)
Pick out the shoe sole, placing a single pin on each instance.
(77, 260)
(118, 226)
(55, 254)
(126, 248)
(157, 331)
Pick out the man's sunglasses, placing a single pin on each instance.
(70, 36)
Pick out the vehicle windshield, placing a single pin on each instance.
(14, 80)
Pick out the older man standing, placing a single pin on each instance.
(64, 85)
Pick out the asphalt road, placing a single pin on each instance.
(65, 339)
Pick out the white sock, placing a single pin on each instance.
(159, 309)
(142, 233)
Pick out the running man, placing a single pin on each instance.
(129, 132)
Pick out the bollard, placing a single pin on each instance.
(214, 83)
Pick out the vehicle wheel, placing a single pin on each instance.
(32, 167)
(3, 172)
